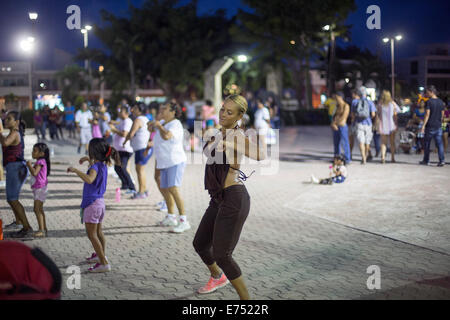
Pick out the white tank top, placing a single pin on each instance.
(140, 139)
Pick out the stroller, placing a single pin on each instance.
(407, 138)
(27, 274)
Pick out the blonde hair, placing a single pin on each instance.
(385, 98)
(239, 101)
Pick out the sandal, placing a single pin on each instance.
(40, 234)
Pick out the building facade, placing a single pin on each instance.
(16, 93)
(430, 67)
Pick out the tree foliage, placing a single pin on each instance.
(164, 39)
(272, 25)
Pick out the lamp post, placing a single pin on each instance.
(85, 31)
(386, 40)
(33, 17)
(102, 85)
(330, 79)
(87, 67)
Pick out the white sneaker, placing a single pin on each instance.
(163, 208)
(2, 183)
(99, 268)
(168, 222)
(182, 226)
(314, 179)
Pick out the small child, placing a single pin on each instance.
(96, 132)
(337, 176)
(39, 181)
(93, 205)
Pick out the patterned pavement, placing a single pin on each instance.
(300, 241)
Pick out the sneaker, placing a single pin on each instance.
(214, 284)
(99, 268)
(160, 204)
(424, 163)
(182, 226)
(138, 195)
(94, 258)
(441, 164)
(23, 234)
(2, 183)
(314, 179)
(163, 208)
(129, 191)
(13, 226)
(168, 222)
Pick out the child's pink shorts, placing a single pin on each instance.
(95, 212)
(40, 194)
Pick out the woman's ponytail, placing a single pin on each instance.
(113, 154)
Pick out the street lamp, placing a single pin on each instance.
(33, 16)
(386, 40)
(29, 47)
(85, 31)
(102, 84)
(330, 84)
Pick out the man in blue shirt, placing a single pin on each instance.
(362, 112)
(69, 113)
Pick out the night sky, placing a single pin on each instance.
(419, 22)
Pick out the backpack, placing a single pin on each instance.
(362, 110)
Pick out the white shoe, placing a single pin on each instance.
(99, 268)
(168, 222)
(314, 179)
(182, 226)
(2, 183)
(163, 208)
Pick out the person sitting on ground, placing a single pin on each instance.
(338, 174)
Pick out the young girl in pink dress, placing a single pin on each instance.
(39, 173)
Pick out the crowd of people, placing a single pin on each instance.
(157, 130)
(362, 121)
(108, 141)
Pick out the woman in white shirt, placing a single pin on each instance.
(139, 136)
(125, 152)
(171, 161)
(262, 121)
(387, 112)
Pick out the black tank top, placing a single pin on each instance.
(13, 153)
(216, 173)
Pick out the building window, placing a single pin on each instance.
(414, 67)
(439, 66)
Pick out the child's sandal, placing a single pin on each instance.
(40, 234)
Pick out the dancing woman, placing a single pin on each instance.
(221, 225)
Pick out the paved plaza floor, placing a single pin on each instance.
(300, 241)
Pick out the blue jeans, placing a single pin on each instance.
(122, 172)
(341, 137)
(435, 134)
(16, 174)
(376, 141)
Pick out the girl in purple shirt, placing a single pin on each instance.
(93, 205)
(39, 173)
